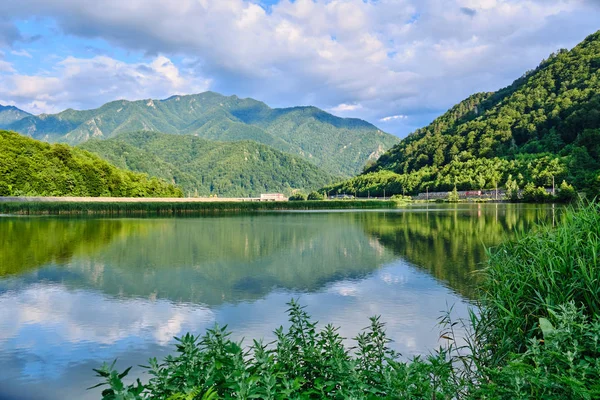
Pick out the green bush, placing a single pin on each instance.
(566, 193)
(297, 197)
(303, 363)
(453, 196)
(315, 196)
(533, 194)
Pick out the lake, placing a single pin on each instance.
(75, 292)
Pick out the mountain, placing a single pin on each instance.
(204, 167)
(546, 124)
(341, 146)
(32, 168)
(10, 114)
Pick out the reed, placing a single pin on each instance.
(179, 208)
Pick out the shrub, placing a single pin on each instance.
(566, 193)
(303, 363)
(297, 197)
(315, 196)
(533, 194)
(453, 196)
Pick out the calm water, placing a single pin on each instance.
(77, 292)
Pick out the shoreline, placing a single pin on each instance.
(167, 206)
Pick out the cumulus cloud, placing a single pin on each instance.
(74, 82)
(390, 56)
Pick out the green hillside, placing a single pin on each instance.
(10, 114)
(32, 168)
(204, 167)
(338, 145)
(546, 124)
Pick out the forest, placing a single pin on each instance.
(206, 167)
(32, 168)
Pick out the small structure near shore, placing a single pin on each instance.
(273, 197)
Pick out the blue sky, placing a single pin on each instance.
(395, 63)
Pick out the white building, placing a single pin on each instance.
(273, 197)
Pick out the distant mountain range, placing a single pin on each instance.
(204, 167)
(339, 146)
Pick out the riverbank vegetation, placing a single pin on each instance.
(177, 208)
(32, 168)
(536, 335)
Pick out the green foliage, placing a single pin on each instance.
(298, 196)
(533, 194)
(303, 363)
(315, 196)
(562, 363)
(512, 189)
(453, 196)
(203, 167)
(566, 193)
(340, 146)
(474, 174)
(32, 168)
(539, 272)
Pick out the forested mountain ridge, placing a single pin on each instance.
(546, 124)
(204, 167)
(341, 146)
(10, 114)
(29, 167)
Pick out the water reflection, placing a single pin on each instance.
(74, 292)
(450, 242)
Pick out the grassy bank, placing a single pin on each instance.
(536, 335)
(178, 208)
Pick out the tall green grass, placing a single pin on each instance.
(176, 208)
(540, 271)
(536, 335)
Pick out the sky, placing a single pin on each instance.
(395, 63)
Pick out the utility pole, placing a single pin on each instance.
(553, 188)
(496, 183)
(383, 194)
(427, 191)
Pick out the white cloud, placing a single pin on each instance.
(5, 66)
(74, 82)
(345, 107)
(393, 118)
(417, 56)
(21, 53)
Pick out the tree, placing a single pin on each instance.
(315, 196)
(566, 193)
(453, 196)
(299, 196)
(512, 189)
